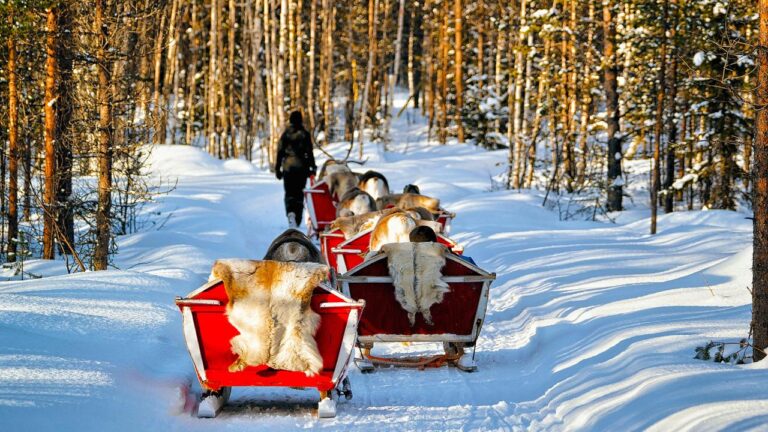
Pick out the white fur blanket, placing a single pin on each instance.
(269, 304)
(415, 269)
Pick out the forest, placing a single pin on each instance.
(606, 162)
(570, 87)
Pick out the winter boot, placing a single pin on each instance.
(292, 220)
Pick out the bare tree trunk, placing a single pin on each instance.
(457, 73)
(65, 224)
(660, 95)
(586, 101)
(428, 107)
(540, 97)
(516, 93)
(760, 195)
(396, 67)
(328, 117)
(27, 180)
(614, 155)
(159, 105)
(572, 99)
(141, 113)
(281, 60)
(213, 76)
(411, 56)
(192, 75)
(444, 38)
(349, 120)
(13, 146)
(101, 250)
(669, 153)
(164, 88)
(298, 47)
(49, 196)
(480, 30)
(222, 137)
(312, 50)
(373, 7)
(234, 151)
(292, 93)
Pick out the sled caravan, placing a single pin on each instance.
(386, 272)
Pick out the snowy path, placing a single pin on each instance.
(590, 325)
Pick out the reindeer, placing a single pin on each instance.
(355, 202)
(374, 183)
(409, 200)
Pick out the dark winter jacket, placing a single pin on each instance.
(294, 152)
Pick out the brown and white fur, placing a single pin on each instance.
(293, 246)
(341, 182)
(352, 225)
(408, 200)
(415, 270)
(331, 166)
(374, 183)
(355, 202)
(392, 228)
(269, 305)
(422, 213)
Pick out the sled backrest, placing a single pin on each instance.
(320, 205)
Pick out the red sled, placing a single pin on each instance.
(207, 332)
(343, 255)
(321, 207)
(457, 320)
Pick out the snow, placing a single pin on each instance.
(681, 182)
(699, 58)
(590, 325)
(745, 60)
(719, 9)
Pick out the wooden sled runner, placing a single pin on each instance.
(207, 332)
(457, 320)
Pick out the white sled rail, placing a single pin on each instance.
(329, 305)
(349, 251)
(210, 302)
(187, 301)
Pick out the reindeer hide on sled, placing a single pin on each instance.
(269, 304)
(415, 270)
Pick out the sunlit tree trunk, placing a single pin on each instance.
(457, 73)
(157, 102)
(669, 153)
(373, 7)
(760, 195)
(105, 141)
(49, 136)
(311, 77)
(660, 95)
(13, 146)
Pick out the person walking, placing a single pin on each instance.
(295, 162)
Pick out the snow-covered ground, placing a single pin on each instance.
(590, 325)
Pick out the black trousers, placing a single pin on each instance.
(293, 183)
